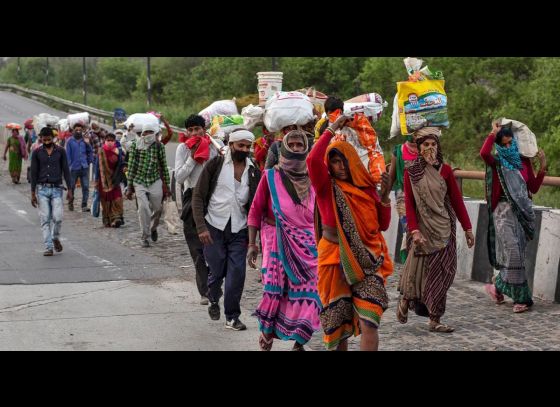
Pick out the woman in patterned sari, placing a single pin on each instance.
(110, 175)
(509, 182)
(354, 260)
(433, 203)
(283, 211)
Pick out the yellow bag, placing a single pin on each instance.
(422, 104)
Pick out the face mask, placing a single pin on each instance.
(239, 155)
(78, 135)
(150, 138)
(429, 154)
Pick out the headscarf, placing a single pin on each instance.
(293, 168)
(416, 170)
(509, 157)
(359, 176)
(239, 135)
(144, 142)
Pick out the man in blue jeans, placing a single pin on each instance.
(80, 156)
(48, 166)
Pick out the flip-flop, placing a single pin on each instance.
(519, 308)
(265, 344)
(441, 328)
(402, 312)
(493, 293)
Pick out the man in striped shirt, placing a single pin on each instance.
(148, 176)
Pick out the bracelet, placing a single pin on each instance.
(387, 205)
(330, 129)
(468, 230)
(253, 245)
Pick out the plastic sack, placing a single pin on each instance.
(252, 115)
(139, 120)
(224, 125)
(372, 110)
(171, 217)
(82, 118)
(44, 120)
(362, 136)
(63, 125)
(422, 104)
(526, 140)
(286, 109)
(317, 98)
(221, 107)
(13, 126)
(395, 120)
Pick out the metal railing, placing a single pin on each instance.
(101, 116)
(460, 175)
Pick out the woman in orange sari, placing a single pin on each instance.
(354, 260)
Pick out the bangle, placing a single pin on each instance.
(330, 129)
(468, 230)
(253, 245)
(387, 205)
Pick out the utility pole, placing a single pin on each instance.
(84, 75)
(149, 82)
(274, 63)
(18, 69)
(47, 73)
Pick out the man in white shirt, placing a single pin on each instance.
(220, 204)
(190, 158)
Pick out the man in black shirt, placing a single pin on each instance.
(48, 166)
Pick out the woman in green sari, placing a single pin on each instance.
(16, 147)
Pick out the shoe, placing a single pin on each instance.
(71, 207)
(203, 300)
(154, 236)
(48, 253)
(145, 243)
(57, 245)
(118, 223)
(214, 311)
(298, 347)
(86, 209)
(235, 324)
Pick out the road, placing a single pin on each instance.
(105, 292)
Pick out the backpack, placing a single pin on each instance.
(119, 117)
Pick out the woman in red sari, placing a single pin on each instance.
(110, 175)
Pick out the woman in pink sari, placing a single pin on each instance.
(283, 210)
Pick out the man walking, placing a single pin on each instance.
(221, 201)
(48, 166)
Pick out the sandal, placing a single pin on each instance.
(519, 308)
(493, 293)
(264, 343)
(298, 347)
(402, 311)
(437, 327)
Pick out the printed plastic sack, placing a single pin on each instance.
(82, 118)
(139, 120)
(223, 125)
(221, 107)
(372, 109)
(286, 109)
(526, 140)
(252, 115)
(422, 104)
